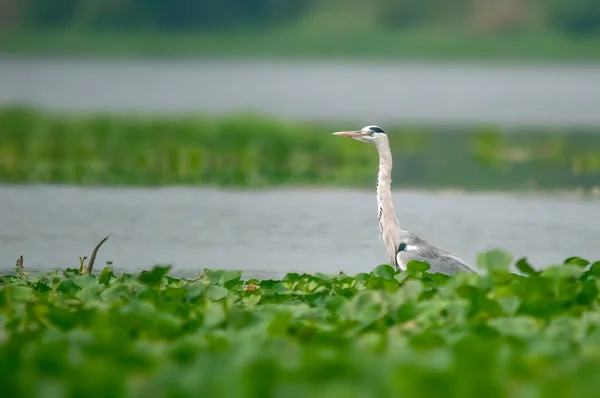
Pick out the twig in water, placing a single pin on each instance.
(82, 263)
(90, 264)
(20, 267)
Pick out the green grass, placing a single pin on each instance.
(246, 150)
(65, 333)
(311, 41)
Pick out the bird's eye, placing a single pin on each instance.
(371, 133)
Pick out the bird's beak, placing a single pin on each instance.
(351, 134)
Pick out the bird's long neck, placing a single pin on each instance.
(388, 223)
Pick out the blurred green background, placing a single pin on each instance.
(547, 29)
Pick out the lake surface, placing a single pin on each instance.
(365, 92)
(269, 233)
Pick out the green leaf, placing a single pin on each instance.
(150, 295)
(324, 277)
(509, 305)
(88, 293)
(368, 306)
(410, 290)
(114, 293)
(518, 326)
(20, 293)
(216, 293)
(155, 276)
(171, 298)
(588, 293)
(417, 268)
(362, 276)
(480, 303)
(495, 260)
(401, 277)
(581, 262)
(64, 318)
(84, 280)
(220, 277)
(195, 290)
(279, 324)
(315, 286)
(566, 328)
(291, 277)
(406, 312)
(427, 341)
(251, 300)
(214, 314)
(384, 271)
(335, 303)
(106, 275)
(172, 281)
(68, 288)
(526, 268)
(594, 269)
(567, 271)
(436, 278)
(42, 286)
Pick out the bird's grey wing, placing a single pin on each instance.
(440, 260)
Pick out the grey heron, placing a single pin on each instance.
(401, 246)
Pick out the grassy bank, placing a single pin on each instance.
(252, 151)
(425, 44)
(383, 333)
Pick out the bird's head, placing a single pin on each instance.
(368, 134)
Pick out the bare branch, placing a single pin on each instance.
(90, 264)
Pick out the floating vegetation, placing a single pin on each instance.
(535, 333)
(313, 41)
(246, 150)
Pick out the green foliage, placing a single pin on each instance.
(246, 150)
(153, 277)
(581, 17)
(434, 29)
(495, 260)
(416, 268)
(524, 266)
(394, 14)
(317, 40)
(161, 14)
(385, 333)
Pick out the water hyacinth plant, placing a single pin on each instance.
(247, 150)
(386, 333)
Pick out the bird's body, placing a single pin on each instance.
(401, 246)
(440, 260)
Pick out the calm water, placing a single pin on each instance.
(269, 233)
(365, 92)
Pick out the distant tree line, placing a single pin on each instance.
(570, 16)
(160, 14)
(567, 16)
